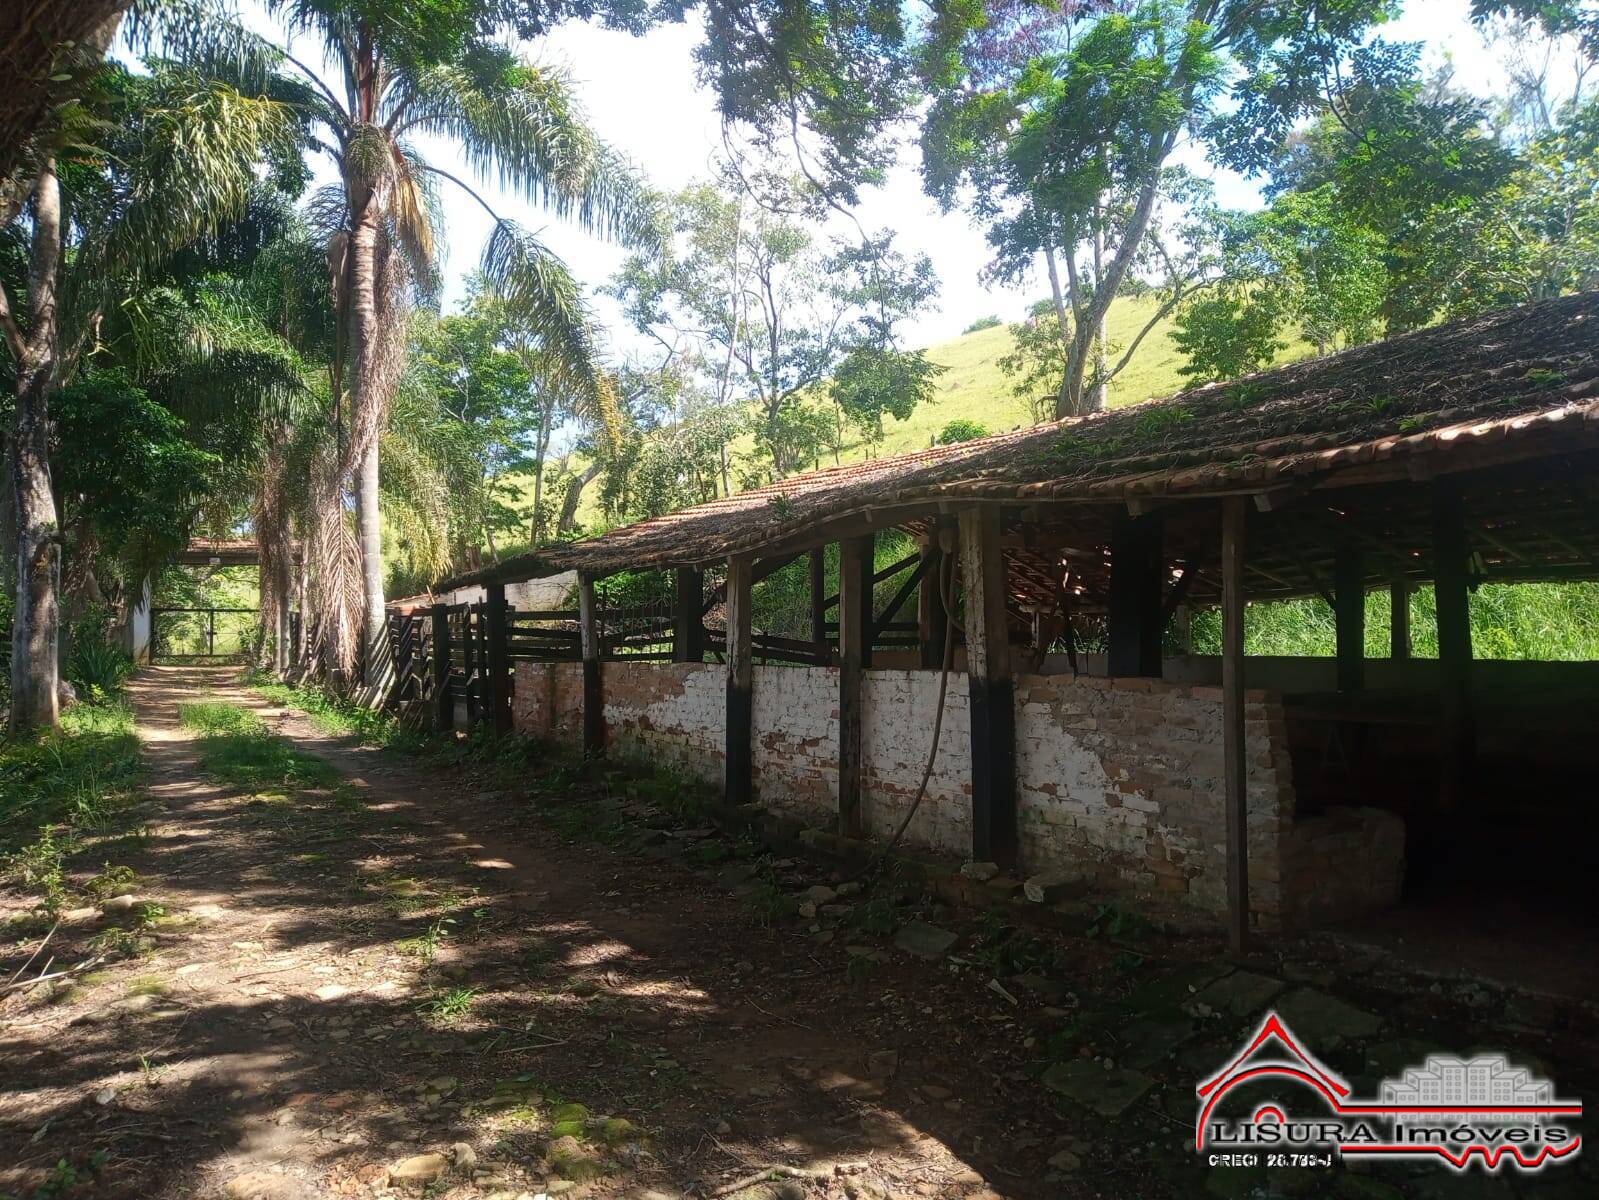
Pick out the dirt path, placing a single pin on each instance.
(341, 982)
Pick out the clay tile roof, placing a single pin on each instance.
(1519, 374)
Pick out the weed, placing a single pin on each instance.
(1114, 922)
(858, 970)
(426, 945)
(1157, 420)
(877, 916)
(1544, 376)
(112, 881)
(236, 746)
(449, 1007)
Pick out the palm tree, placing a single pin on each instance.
(517, 124)
(176, 159)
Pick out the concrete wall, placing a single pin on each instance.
(1119, 780)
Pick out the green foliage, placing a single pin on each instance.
(1552, 622)
(97, 669)
(58, 787)
(235, 746)
(961, 429)
(982, 323)
(1226, 334)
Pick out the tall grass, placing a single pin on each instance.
(1549, 622)
(58, 787)
(237, 747)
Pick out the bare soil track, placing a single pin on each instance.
(421, 972)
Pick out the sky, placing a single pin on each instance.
(640, 95)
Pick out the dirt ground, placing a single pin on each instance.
(431, 982)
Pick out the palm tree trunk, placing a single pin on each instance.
(369, 527)
(35, 668)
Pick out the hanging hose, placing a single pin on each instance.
(946, 600)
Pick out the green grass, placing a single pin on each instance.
(57, 788)
(332, 714)
(237, 747)
(1549, 622)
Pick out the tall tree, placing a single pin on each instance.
(1056, 122)
(433, 68)
(178, 158)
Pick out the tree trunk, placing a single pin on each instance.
(1071, 402)
(1101, 386)
(370, 528)
(574, 495)
(35, 648)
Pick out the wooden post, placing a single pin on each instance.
(931, 622)
(865, 548)
(1451, 561)
(1399, 619)
(988, 674)
(688, 627)
(854, 628)
(593, 693)
(1349, 616)
(818, 574)
(498, 636)
(401, 631)
(1136, 603)
(443, 701)
(1234, 769)
(740, 682)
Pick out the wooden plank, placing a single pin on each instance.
(688, 630)
(1234, 767)
(740, 682)
(931, 622)
(854, 626)
(988, 673)
(443, 700)
(865, 547)
(593, 689)
(1451, 583)
(818, 585)
(497, 653)
(912, 583)
(1349, 616)
(1136, 614)
(1399, 619)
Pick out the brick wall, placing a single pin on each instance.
(1119, 780)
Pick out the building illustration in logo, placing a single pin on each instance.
(1470, 1082)
(1461, 1110)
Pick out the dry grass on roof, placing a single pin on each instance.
(1381, 398)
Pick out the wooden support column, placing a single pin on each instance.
(497, 615)
(865, 548)
(1399, 619)
(402, 633)
(688, 626)
(740, 681)
(931, 620)
(988, 673)
(818, 579)
(1349, 616)
(593, 690)
(854, 628)
(1136, 605)
(1234, 767)
(1451, 581)
(443, 700)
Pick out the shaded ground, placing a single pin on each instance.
(554, 987)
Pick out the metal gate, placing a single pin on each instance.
(184, 640)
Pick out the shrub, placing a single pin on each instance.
(97, 669)
(961, 430)
(982, 323)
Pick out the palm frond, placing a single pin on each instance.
(541, 295)
(521, 126)
(198, 143)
